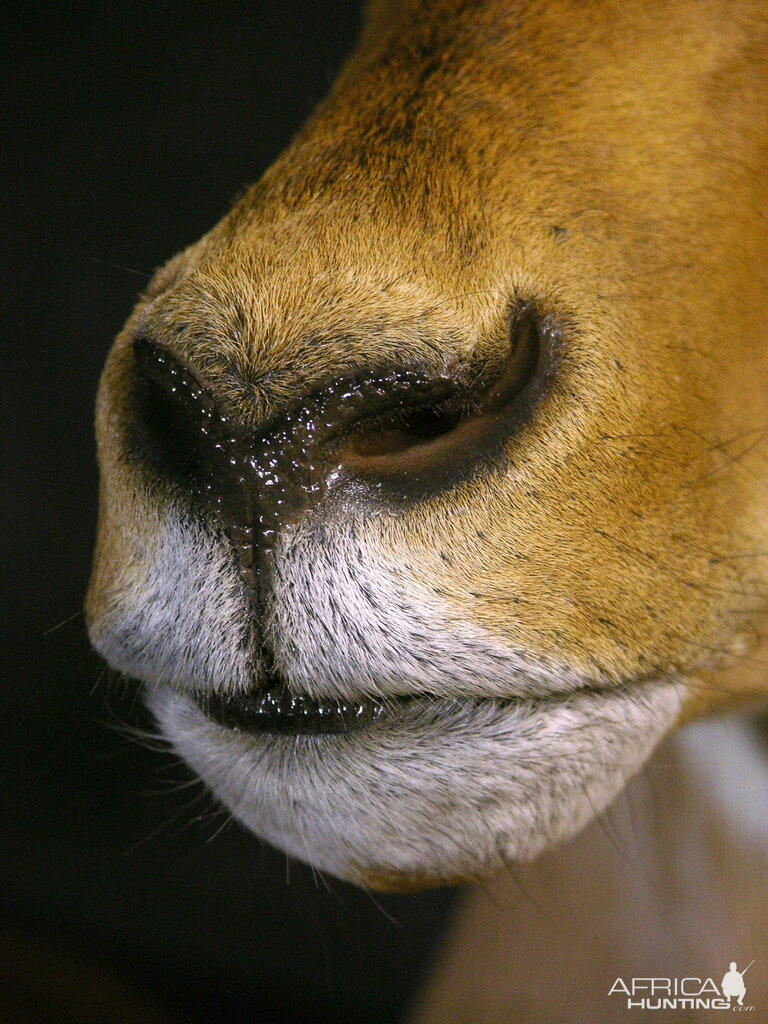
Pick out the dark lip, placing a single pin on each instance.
(276, 711)
(279, 711)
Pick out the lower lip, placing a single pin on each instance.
(280, 712)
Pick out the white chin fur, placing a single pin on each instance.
(347, 620)
(436, 795)
(182, 619)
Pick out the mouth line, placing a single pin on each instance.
(279, 711)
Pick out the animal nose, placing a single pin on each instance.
(403, 430)
(192, 442)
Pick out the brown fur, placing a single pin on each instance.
(605, 161)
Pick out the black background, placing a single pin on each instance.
(131, 130)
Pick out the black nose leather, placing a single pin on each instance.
(256, 481)
(405, 430)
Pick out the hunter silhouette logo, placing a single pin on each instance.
(733, 983)
(687, 993)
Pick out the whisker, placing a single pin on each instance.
(119, 266)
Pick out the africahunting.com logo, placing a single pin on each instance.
(689, 993)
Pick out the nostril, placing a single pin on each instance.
(188, 439)
(458, 425)
(155, 363)
(173, 413)
(403, 429)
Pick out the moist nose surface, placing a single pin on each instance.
(401, 433)
(249, 481)
(256, 482)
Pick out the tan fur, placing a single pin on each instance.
(658, 889)
(603, 161)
